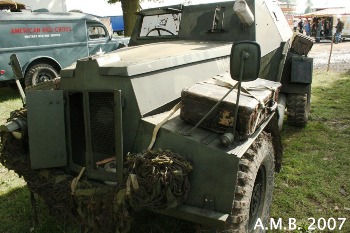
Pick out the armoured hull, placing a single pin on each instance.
(116, 107)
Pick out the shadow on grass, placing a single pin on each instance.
(146, 221)
(16, 215)
(15, 211)
(7, 93)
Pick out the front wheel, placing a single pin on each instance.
(40, 73)
(253, 192)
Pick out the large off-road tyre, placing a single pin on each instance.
(298, 108)
(253, 192)
(40, 73)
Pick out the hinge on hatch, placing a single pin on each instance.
(218, 20)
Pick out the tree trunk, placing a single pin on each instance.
(129, 7)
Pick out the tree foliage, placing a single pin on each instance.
(308, 6)
(309, 2)
(129, 8)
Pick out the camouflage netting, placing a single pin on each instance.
(155, 180)
(161, 177)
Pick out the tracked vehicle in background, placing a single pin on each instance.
(202, 84)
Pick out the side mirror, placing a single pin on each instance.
(245, 61)
(16, 66)
(244, 67)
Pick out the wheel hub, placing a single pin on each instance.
(255, 202)
(43, 77)
(257, 198)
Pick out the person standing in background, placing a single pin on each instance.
(307, 27)
(295, 25)
(318, 30)
(326, 27)
(301, 26)
(339, 27)
(313, 27)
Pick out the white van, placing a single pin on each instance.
(46, 42)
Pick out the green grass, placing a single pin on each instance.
(9, 101)
(15, 206)
(12, 188)
(314, 181)
(316, 165)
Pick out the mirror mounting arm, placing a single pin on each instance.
(244, 57)
(243, 54)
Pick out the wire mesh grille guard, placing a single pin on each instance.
(102, 115)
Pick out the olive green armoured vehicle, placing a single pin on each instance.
(183, 122)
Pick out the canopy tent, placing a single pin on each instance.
(10, 4)
(326, 13)
(331, 15)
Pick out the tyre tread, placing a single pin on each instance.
(249, 165)
(28, 78)
(297, 109)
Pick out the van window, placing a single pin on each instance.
(96, 32)
(161, 25)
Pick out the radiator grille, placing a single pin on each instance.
(102, 123)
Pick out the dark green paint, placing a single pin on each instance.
(145, 80)
(46, 129)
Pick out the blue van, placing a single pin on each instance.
(46, 42)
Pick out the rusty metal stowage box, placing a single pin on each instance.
(255, 101)
(302, 45)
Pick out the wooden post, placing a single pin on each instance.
(330, 53)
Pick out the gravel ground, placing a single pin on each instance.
(340, 58)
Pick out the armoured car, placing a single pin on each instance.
(183, 122)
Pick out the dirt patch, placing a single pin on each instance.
(340, 58)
